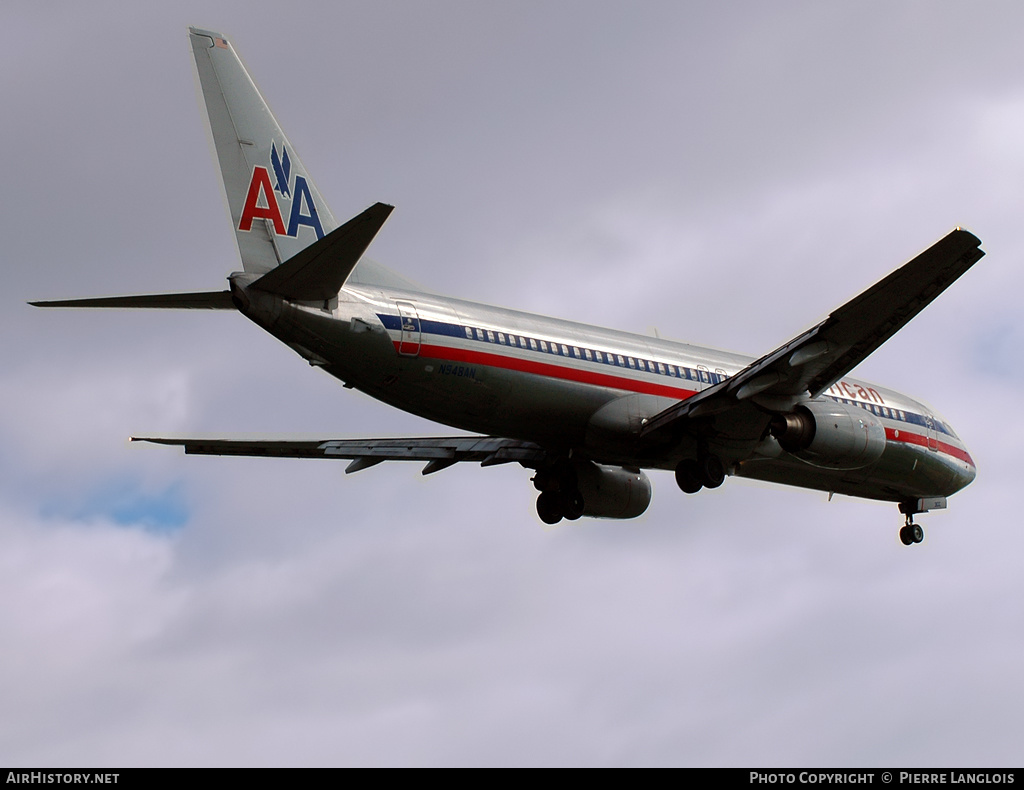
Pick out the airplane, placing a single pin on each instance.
(586, 409)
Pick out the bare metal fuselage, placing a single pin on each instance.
(501, 372)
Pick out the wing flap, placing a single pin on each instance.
(437, 452)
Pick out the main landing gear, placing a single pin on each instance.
(560, 495)
(693, 474)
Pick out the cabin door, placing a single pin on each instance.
(409, 345)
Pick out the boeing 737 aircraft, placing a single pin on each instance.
(586, 409)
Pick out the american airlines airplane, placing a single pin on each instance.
(586, 409)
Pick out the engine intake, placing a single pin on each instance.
(830, 435)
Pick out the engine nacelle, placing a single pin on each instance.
(831, 435)
(612, 492)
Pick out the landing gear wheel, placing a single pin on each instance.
(911, 533)
(573, 505)
(688, 476)
(550, 507)
(712, 473)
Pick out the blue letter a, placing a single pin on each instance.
(312, 219)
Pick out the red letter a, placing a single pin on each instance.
(260, 184)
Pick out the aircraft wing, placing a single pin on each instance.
(438, 452)
(813, 361)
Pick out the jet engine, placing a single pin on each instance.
(612, 492)
(830, 435)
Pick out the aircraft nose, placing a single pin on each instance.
(966, 474)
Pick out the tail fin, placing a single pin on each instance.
(276, 209)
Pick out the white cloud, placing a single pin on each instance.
(727, 176)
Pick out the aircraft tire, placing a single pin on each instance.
(917, 533)
(907, 535)
(688, 476)
(712, 473)
(550, 507)
(574, 505)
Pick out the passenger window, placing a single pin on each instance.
(586, 353)
(469, 333)
(565, 351)
(543, 346)
(501, 338)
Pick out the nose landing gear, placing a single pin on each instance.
(911, 533)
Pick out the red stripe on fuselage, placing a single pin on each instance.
(908, 437)
(552, 371)
(630, 385)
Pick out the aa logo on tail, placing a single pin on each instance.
(261, 202)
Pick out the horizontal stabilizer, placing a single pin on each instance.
(204, 300)
(320, 270)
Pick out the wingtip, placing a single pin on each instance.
(962, 231)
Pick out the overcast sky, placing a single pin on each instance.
(723, 173)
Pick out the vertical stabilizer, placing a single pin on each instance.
(276, 209)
